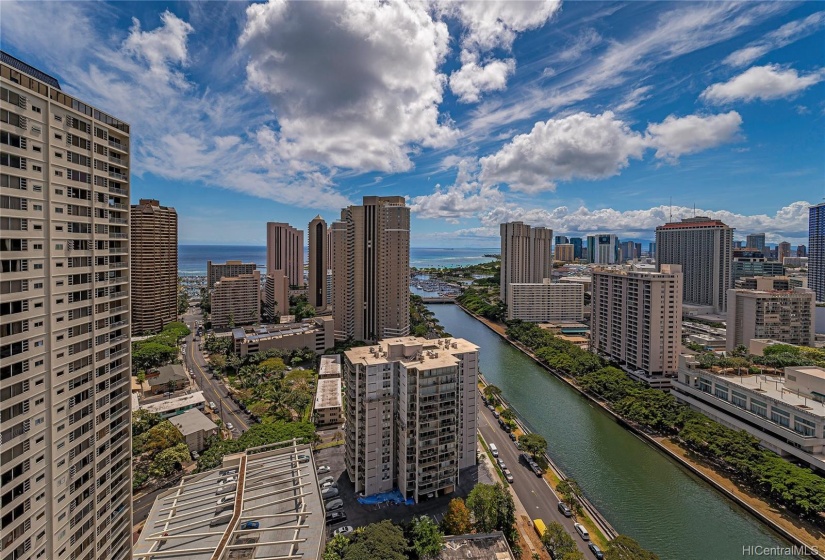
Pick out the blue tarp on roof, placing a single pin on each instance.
(394, 497)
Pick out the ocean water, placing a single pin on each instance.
(192, 258)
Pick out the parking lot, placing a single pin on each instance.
(359, 515)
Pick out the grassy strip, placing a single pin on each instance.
(329, 444)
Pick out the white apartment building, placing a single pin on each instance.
(526, 255)
(236, 300)
(637, 319)
(547, 302)
(785, 316)
(704, 249)
(603, 249)
(786, 414)
(410, 415)
(65, 357)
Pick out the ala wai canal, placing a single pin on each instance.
(640, 491)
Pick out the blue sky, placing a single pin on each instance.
(581, 116)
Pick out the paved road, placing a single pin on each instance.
(213, 390)
(535, 493)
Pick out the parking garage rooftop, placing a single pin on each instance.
(263, 504)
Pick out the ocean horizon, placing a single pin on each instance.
(192, 258)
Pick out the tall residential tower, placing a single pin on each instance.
(371, 269)
(285, 251)
(154, 246)
(318, 262)
(526, 255)
(64, 323)
(816, 251)
(704, 248)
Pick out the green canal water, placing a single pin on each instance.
(641, 492)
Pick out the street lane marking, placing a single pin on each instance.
(217, 393)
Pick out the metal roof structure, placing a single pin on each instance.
(204, 517)
(21, 66)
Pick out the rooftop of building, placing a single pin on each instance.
(328, 394)
(21, 66)
(773, 386)
(268, 485)
(174, 403)
(667, 272)
(193, 421)
(172, 372)
(482, 546)
(330, 366)
(412, 351)
(278, 330)
(695, 222)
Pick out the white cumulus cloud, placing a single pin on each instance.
(161, 46)
(676, 136)
(486, 26)
(353, 84)
(762, 82)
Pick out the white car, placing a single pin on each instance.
(326, 479)
(212, 405)
(229, 426)
(323, 470)
(345, 530)
(330, 484)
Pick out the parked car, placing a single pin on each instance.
(326, 479)
(195, 455)
(508, 476)
(565, 510)
(212, 405)
(597, 552)
(491, 407)
(513, 436)
(345, 530)
(324, 469)
(334, 517)
(229, 426)
(326, 485)
(303, 458)
(225, 500)
(250, 525)
(228, 480)
(496, 414)
(329, 493)
(501, 464)
(337, 503)
(581, 531)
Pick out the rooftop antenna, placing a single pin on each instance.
(694, 209)
(671, 209)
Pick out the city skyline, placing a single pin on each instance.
(740, 115)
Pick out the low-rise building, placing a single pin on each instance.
(786, 316)
(236, 300)
(167, 379)
(765, 283)
(330, 366)
(328, 407)
(545, 302)
(175, 405)
(195, 428)
(707, 341)
(478, 546)
(264, 503)
(786, 413)
(316, 333)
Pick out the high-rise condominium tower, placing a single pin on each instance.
(704, 248)
(526, 255)
(65, 356)
(816, 251)
(756, 241)
(371, 269)
(154, 246)
(637, 318)
(783, 250)
(285, 251)
(603, 249)
(783, 315)
(411, 415)
(318, 262)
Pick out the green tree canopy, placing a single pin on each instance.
(377, 540)
(625, 548)
(534, 444)
(161, 436)
(147, 355)
(426, 537)
(493, 510)
(558, 540)
(166, 461)
(143, 420)
(257, 435)
(492, 392)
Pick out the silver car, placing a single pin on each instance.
(329, 493)
(337, 503)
